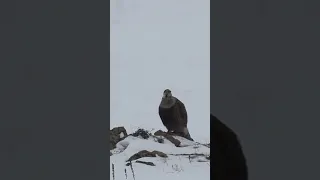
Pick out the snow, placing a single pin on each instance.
(155, 45)
(159, 44)
(121, 135)
(176, 166)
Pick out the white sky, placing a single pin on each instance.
(159, 44)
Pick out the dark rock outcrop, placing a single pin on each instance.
(142, 133)
(168, 136)
(115, 136)
(146, 153)
(146, 163)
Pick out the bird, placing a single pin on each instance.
(173, 115)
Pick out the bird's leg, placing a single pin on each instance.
(169, 131)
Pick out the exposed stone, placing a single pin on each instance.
(160, 140)
(146, 153)
(159, 153)
(169, 136)
(116, 135)
(146, 163)
(141, 132)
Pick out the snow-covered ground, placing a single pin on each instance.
(176, 166)
(159, 44)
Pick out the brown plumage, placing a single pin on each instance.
(174, 115)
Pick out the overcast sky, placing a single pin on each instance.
(157, 45)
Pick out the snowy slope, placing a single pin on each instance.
(176, 166)
(159, 44)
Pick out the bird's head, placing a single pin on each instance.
(167, 94)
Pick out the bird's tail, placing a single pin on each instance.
(187, 134)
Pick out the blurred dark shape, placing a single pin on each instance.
(229, 162)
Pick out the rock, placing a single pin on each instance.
(146, 163)
(159, 153)
(141, 132)
(168, 136)
(201, 160)
(160, 140)
(183, 135)
(146, 153)
(116, 135)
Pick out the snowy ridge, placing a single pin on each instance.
(188, 161)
